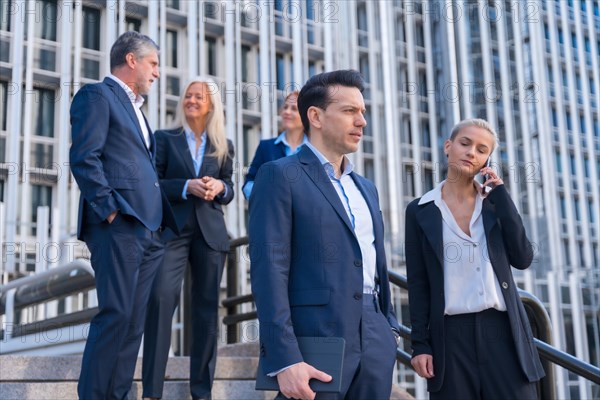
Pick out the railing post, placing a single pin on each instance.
(542, 329)
(232, 291)
(9, 316)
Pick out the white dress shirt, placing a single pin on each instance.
(470, 284)
(137, 102)
(358, 212)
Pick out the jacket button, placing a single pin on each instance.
(93, 204)
(504, 285)
(156, 184)
(357, 296)
(358, 263)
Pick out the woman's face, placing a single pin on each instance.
(469, 150)
(290, 117)
(197, 103)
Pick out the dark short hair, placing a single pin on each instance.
(130, 42)
(316, 90)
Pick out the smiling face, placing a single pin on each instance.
(468, 151)
(146, 71)
(338, 129)
(290, 118)
(197, 102)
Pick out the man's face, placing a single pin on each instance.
(343, 121)
(146, 71)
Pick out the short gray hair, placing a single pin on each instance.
(477, 122)
(130, 42)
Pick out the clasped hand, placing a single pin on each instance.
(206, 188)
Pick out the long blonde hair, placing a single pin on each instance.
(215, 123)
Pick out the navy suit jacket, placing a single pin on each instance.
(306, 263)
(266, 151)
(175, 166)
(507, 245)
(110, 161)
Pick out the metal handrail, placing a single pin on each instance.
(536, 312)
(54, 283)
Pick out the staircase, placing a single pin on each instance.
(55, 377)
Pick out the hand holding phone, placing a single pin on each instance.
(490, 178)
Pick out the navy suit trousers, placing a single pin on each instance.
(368, 367)
(125, 256)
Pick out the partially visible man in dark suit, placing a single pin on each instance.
(120, 211)
(318, 265)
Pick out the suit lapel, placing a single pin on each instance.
(373, 207)
(126, 101)
(489, 217)
(183, 148)
(280, 150)
(315, 171)
(489, 221)
(430, 220)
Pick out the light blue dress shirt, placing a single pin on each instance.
(197, 157)
(247, 189)
(359, 214)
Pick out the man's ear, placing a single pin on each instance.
(130, 59)
(314, 116)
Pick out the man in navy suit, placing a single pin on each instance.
(318, 264)
(120, 211)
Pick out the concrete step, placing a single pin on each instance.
(173, 390)
(66, 368)
(55, 377)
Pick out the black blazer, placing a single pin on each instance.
(507, 245)
(175, 166)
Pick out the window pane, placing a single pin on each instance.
(40, 196)
(6, 6)
(91, 28)
(90, 68)
(46, 19)
(280, 72)
(43, 112)
(133, 24)
(41, 155)
(4, 98)
(2, 150)
(212, 56)
(171, 49)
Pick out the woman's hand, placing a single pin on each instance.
(423, 365)
(491, 177)
(214, 187)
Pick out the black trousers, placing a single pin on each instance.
(206, 271)
(481, 361)
(125, 256)
(368, 367)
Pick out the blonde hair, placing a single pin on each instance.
(215, 123)
(477, 122)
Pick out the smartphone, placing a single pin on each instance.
(483, 178)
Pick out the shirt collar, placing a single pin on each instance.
(348, 166)
(281, 138)
(192, 136)
(435, 194)
(136, 100)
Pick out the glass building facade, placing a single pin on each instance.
(530, 68)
